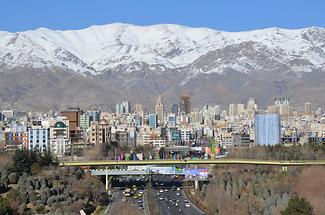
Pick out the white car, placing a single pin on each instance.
(187, 205)
(161, 191)
(178, 194)
(178, 188)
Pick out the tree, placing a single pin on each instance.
(36, 169)
(298, 206)
(4, 207)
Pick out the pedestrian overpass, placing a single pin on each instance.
(223, 161)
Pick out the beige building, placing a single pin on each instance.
(307, 108)
(232, 110)
(99, 132)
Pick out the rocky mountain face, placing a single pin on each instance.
(50, 69)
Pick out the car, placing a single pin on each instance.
(178, 188)
(140, 201)
(158, 194)
(187, 205)
(166, 190)
(161, 198)
(123, 199)
(141, 207)
(185, 201)
(161, 190)
(176, 204)
(178, 194)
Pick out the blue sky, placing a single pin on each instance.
(228, 15)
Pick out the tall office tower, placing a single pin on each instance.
(95, 115)
(251, 105)
(185, 104)
(267, 129)
(159, 108)
(307, 108)
(138, 108)
(127, 106)
(240, 109)
(232, 110)
(216, 110)
(85, 120)
(119, 108)
(152, 120)
(284, 105)
(175, 109)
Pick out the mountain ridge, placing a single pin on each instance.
(140, 62)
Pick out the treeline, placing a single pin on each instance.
(32, 183)
(254, 191)
(280, 152)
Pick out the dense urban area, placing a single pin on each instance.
(34, 147)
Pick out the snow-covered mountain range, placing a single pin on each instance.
(43, 68)
(99, 48)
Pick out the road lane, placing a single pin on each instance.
(173, 202)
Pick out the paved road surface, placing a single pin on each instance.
(129, 207)
(166, 207)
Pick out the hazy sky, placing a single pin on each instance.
(228, 15)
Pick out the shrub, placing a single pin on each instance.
(298, 206)
(13, 178)
(5, 208)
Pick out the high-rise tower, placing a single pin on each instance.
(185, 104)
(159, 110)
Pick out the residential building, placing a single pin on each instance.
(38, 138)
(99, 132)
(16, 137)
(73, 116)
(171, 120)
(60, 144)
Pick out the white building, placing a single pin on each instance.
(60, 143)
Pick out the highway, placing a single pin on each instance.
(198, 162)
(170, 198)
(128, 207)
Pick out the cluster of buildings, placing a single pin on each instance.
(178, 127)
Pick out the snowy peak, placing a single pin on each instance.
(107, 47)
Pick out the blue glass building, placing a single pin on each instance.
(267, 129)
(153, 121)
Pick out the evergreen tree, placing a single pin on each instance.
(5, 208)
(298, 206)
